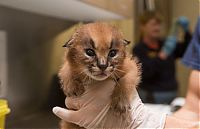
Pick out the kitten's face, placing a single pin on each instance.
(98, 50)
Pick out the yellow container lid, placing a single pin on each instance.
(4, 107)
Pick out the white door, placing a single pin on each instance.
(3, 64)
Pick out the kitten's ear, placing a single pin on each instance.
(68, 43)
(71, 40)
(126, 42)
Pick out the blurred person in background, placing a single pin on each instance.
(157, 56)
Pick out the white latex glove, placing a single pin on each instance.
(92, 110)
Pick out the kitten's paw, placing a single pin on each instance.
(122, 109)
(79, 91)
(120, 105)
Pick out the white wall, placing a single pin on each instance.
(188, 8)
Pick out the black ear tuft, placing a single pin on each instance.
(126, 42)
(64, 45)
(68, 43)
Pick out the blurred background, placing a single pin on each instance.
(32, 33)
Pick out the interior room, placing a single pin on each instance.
(32, 33)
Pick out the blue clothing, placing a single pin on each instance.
(192, 55)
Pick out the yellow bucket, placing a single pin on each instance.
(3, 111)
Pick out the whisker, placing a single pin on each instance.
(85, 78)
(113, 75)
(120, 70)
(78, 75)
(117, 75)
(118, 65)
(114, 79)
(90, 80)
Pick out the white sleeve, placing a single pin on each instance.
(144, 118)
(141, 118)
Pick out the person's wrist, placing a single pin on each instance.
(162, 55)
(185, 29)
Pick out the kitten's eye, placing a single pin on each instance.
(112, 53)
(90, 52)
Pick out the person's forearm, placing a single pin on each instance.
(188, 115)
(188, 36)
(193, 95)
(174, 122)
(181, 47)
(187, 39)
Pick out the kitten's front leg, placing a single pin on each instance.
(125, 87)
(120, 98)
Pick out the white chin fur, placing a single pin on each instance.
(99, 78)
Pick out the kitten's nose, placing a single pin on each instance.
(102, 64)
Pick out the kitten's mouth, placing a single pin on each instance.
(99, 76)
(102, 74)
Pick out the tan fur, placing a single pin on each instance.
(126, 74)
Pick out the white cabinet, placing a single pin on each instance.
(3, 63)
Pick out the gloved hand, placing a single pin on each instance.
(169, 45)
(91, 106)
(92, 110)
(183, 22)
(170, 42)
